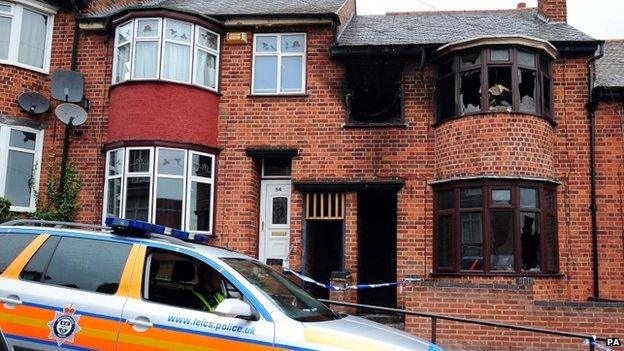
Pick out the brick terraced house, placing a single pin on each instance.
(481, 151)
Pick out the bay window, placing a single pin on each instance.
(26, 35)
(20, 157)
(279, 64)
(495, 227)
(496, 79)
(166, 49)
(168, 186)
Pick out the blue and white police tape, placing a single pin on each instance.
(596, 345)
(350, 287)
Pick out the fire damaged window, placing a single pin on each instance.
(496, 227)
(374, 93)
(494, 80)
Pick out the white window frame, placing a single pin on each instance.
(136, 39)
(5, 137)
(17, 9)
(161, 53)
(153, 174)
(279, 55)
(264, 176)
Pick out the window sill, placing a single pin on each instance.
(374, 125)
(23, 66)
(297, 95)
(550, 120)
(497, 274)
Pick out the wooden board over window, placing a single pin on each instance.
(325, 206)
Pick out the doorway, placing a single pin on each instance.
(274, 220)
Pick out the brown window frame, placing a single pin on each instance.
(542, 69)
(486, 209)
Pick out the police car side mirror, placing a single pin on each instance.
(235, 308)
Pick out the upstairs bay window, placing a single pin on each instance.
(496, 79)
(26, 35)
(166, 49)
(167, 186)
(279, 62)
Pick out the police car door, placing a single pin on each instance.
(169, 316)
(68, 296)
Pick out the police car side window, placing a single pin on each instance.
(39, 262)
(10, 246)
(91, 265)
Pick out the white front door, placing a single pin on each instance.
(275, 220)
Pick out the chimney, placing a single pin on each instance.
(521, 5)
(555, 10)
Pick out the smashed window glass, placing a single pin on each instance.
(527, 79)
(470, 92)
(500, 96)
(375, 93)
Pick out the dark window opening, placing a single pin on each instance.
(374, 93)
(512, 230)
(494, 80)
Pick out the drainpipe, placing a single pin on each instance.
(592, 106)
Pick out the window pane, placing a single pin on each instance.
(147, 28)
(471, 241)
(202, 166)
(499, 55)
(293, 43)
(502, 245)
(526, 59)
(277, 167)
(446, 200)
(33, 38)
(446, 97)
(550, 230)
(292, 70)
(530, 241)
(206, 69)
(123, 63)
(139, 161)
(470, 198)
(445, 247)
(115, 162)
(470, 92)
(5, 37)
(266, 43)
(200, 205)
(23, 140)
(113, 197)
(280, 210)
(470, 60)
(265, 74)
(177, 62)
(170, 162)
(500, 97)
(5, 8)
(87, 265)
(146, 59)
(36, 266)
(19, 175)
(180, 31)
(546, 93)
(527, 84)
(501, 197)
(549, 200)
(529, 198)
(124, 33)
(12, 245)
(137, 198)
(208, 39)
(169, 202)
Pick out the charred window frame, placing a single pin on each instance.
(495, 228)
(494, 80)
(374, 94)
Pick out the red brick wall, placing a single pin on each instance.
(555, 10)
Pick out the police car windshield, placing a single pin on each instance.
(287, 296)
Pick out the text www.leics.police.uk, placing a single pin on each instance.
(212, 325)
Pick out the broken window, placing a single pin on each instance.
(513, 230)
(502, 79)
(375, 93)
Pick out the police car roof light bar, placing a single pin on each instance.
(132, 227)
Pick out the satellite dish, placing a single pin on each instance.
(67, 86)
(33, 103)
(70, 113)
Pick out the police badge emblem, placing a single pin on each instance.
(64, 326)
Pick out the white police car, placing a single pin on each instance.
(134, 289)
